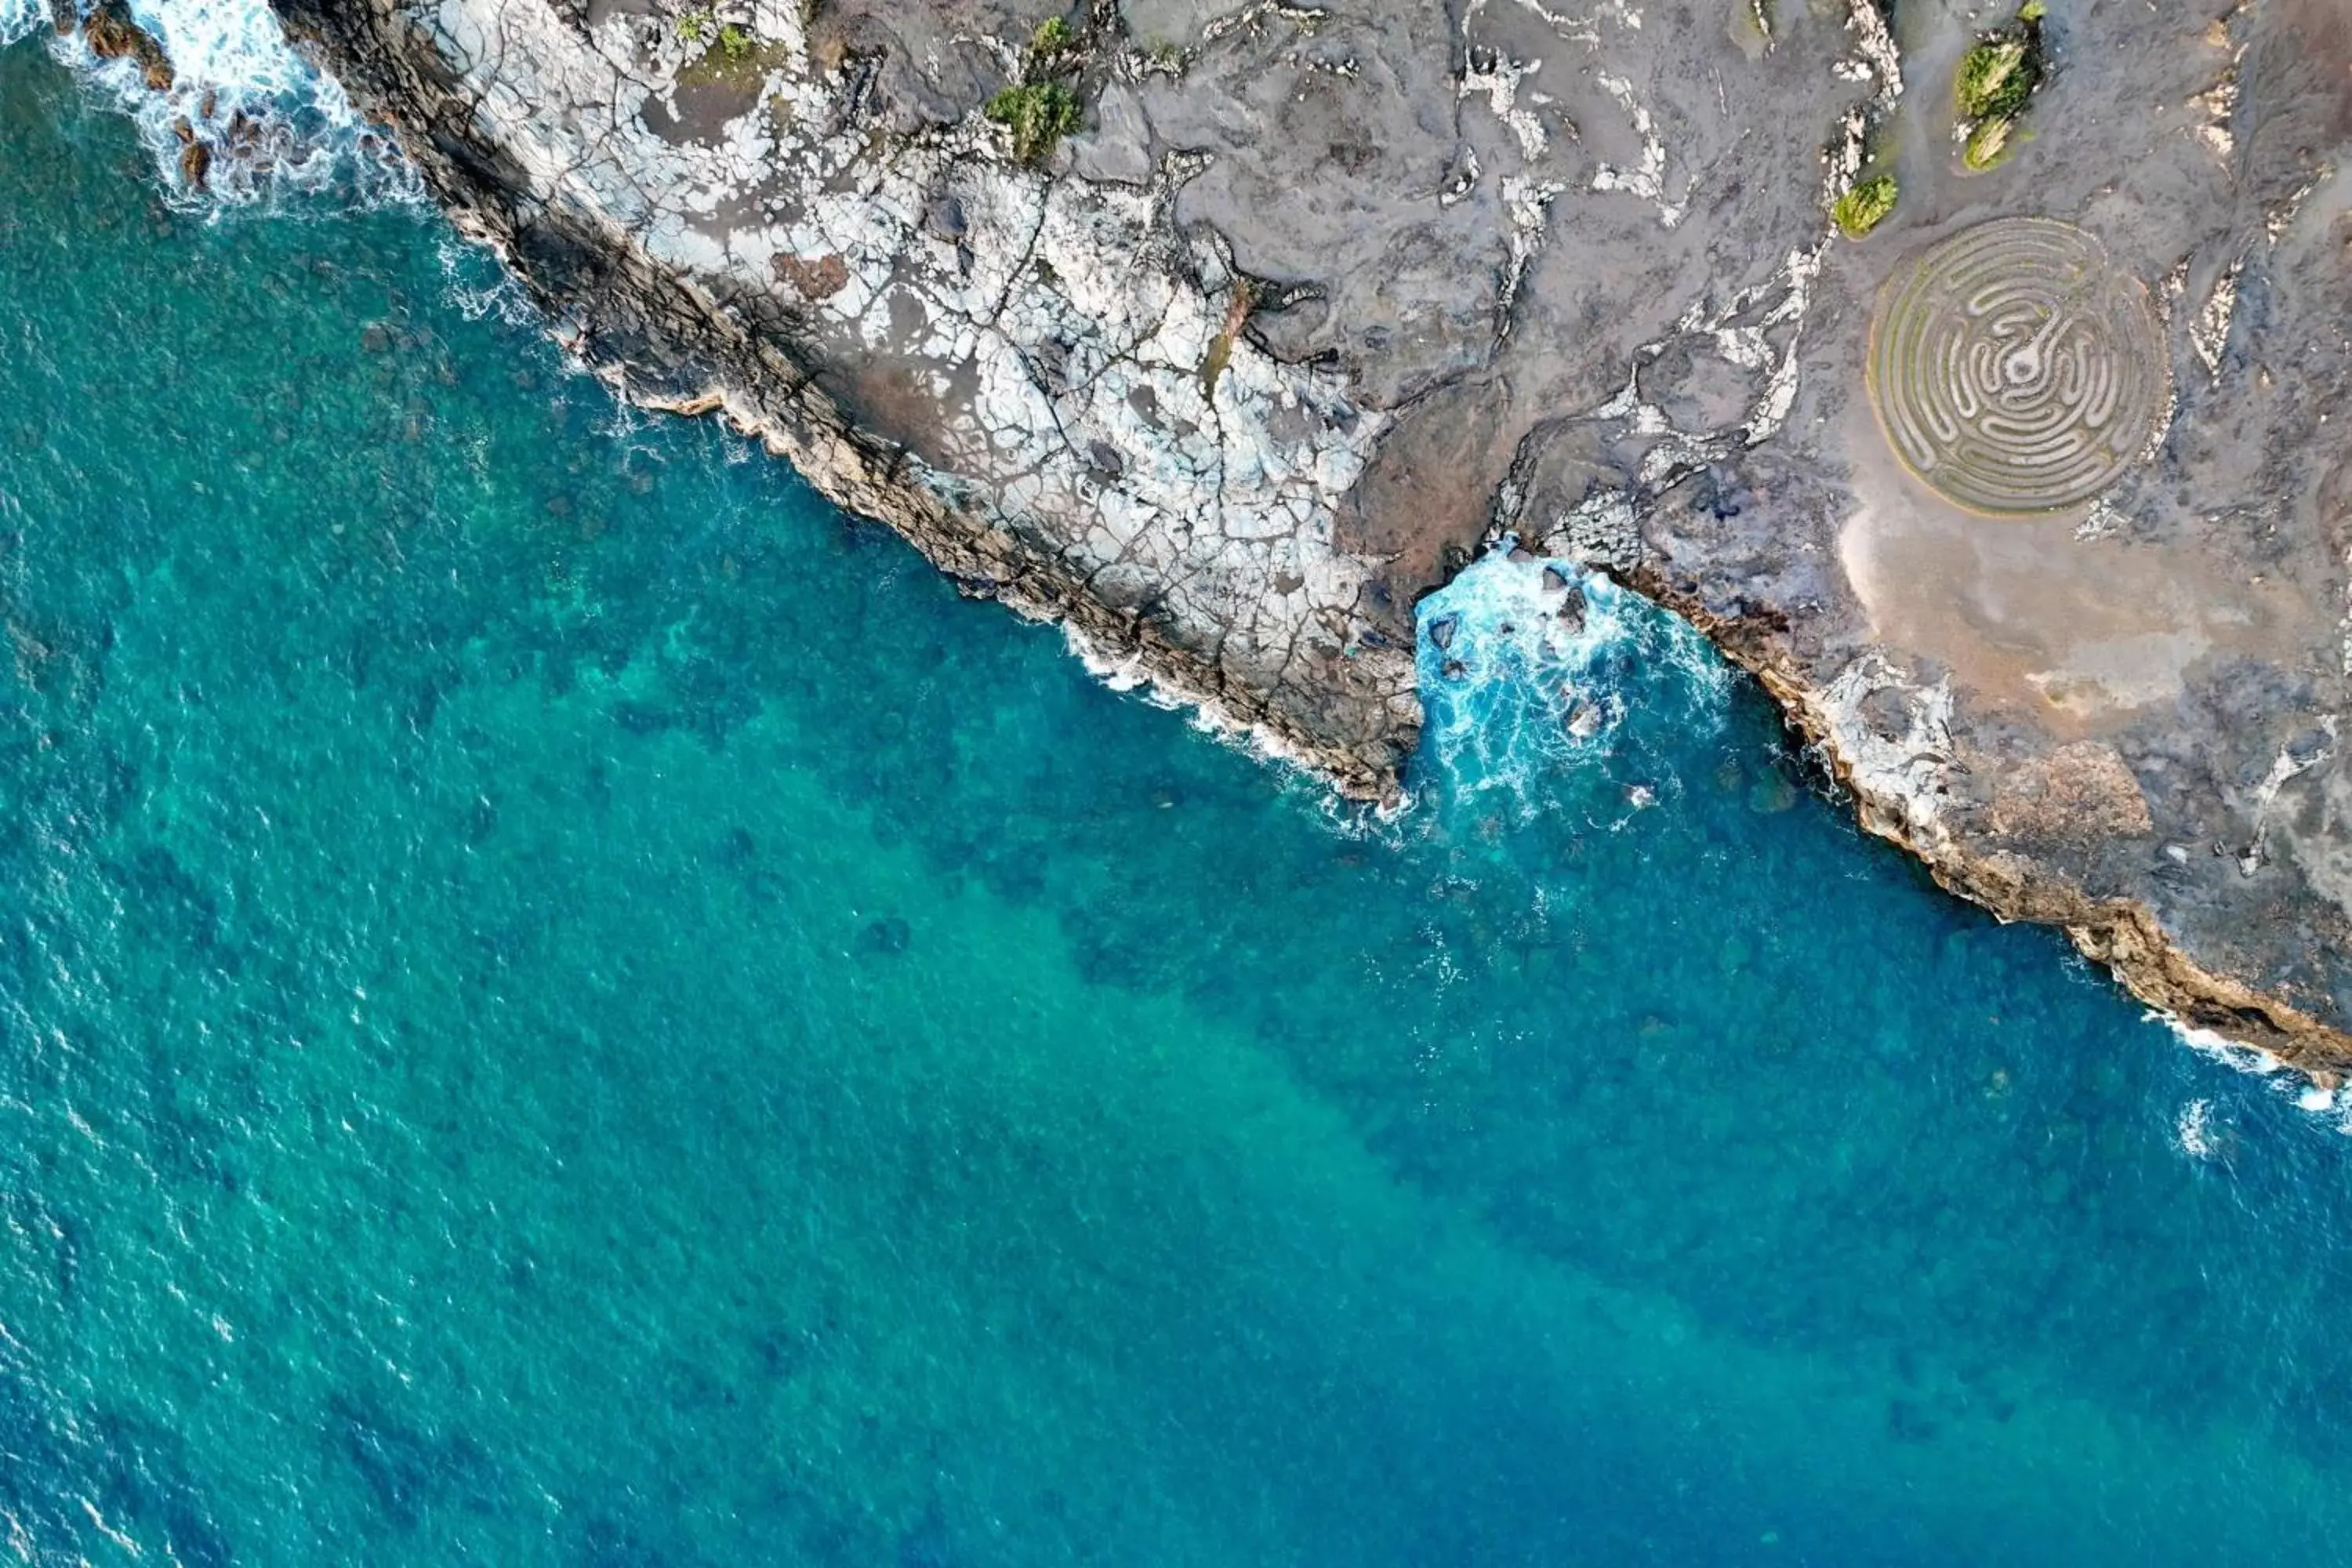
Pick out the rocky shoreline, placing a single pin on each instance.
(1221, 332)
(2127, 937)
(667, 341)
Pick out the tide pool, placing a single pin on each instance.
(563, 1002)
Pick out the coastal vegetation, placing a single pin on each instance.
(1051, 42)
(1865, 206)
(1043, 107)
(728, 52)
(1997, 81)
(1221, 349)
(1038, 114)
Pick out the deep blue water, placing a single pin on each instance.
(561, 1001)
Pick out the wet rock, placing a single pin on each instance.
(113, 34)
(1570, 611)
(1442, 631)
(195, 165)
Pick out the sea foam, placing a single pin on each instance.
(274, 127)
(2329, 1107)
(1531, 670)
(18, 18)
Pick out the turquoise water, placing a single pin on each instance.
(561, 1002)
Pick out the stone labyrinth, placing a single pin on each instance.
(2014, 370)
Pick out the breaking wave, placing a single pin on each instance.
(2324, 1106)
(17, 18)
(1546, 686)
(244, 120)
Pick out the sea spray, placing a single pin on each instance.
(19, 17)
(246, 120)
(2330, 1107)
(479, 285)
(1549, 687)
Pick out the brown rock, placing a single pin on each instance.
(2082, 789)
(113, 35)
(814, 277)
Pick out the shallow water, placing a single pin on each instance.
(560, 1001)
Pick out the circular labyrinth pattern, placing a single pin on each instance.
(2014, 370)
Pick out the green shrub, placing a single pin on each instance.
(736, 43)
(1038, 115)
(1999, 72)
(1987, 145)
(1865, 206)
(1052, 40)
(1996, 78)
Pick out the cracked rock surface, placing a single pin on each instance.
(1315, 299)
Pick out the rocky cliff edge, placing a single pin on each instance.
(1220, 333)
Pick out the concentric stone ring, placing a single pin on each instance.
(2015, 370)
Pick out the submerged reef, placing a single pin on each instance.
(1224, 330)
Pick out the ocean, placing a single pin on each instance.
(562, 1001)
